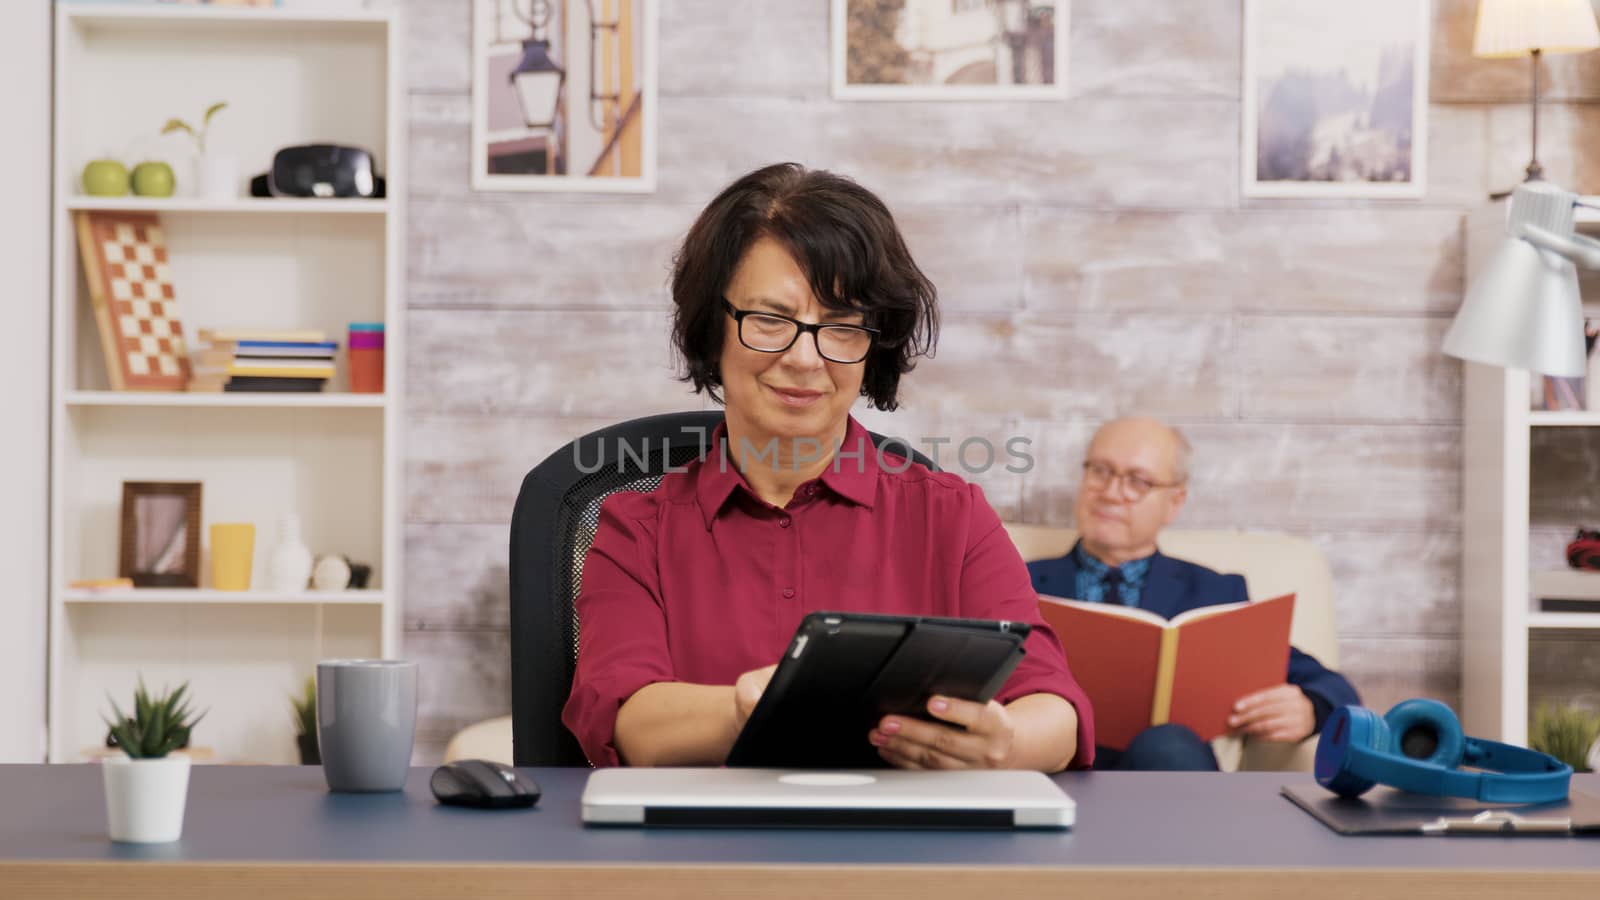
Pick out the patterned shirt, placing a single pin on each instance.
(1092, 578)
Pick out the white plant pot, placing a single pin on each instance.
(217, 177)
(145, 798)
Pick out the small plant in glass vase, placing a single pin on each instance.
(216, 175)
(305, 723)
(147, 785)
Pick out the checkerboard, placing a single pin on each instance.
(130, 284)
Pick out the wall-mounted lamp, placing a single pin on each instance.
(1523, 310)
(537, 78)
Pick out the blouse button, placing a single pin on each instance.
(783, 522)
(788, 593)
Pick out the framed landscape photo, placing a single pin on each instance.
(564, 95)
(949, 49)
(1335, 98)
(160, 535)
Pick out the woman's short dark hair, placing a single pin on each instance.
(842, 237)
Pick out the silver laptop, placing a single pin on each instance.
(888, 798)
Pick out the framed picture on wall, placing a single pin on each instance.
(564, 95)
(160, 534)
(1336, 98)
(950, 49)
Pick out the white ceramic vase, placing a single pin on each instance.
(217, 177)
(145, 798)
(289, 566)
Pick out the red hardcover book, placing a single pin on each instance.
(1141, 670)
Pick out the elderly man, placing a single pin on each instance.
(1135, 482)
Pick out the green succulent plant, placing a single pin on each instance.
(1565, 732)
(305, 707)
(158, 725)
(199, 134)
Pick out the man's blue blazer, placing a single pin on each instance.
(1173, 586)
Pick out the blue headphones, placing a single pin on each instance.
(1417, 747)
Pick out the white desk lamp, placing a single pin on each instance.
(1523, 310)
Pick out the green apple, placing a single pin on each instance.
(105, 178)
(154, 179)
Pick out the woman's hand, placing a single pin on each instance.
(747, 691)
(977, 736)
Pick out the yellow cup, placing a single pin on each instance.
(232, 554)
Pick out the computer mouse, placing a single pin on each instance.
(482, 783)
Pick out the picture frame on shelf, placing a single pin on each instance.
(129, 276)
(564, 95)
(1336, 105)
(949, 49)
(160, 533)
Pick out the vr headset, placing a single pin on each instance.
(319, 170)
(1417, 746)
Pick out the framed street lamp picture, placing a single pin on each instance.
(949, 49)
(1335, 98)
(160, 535)
(564, 95)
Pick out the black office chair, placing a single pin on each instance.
(552, 526)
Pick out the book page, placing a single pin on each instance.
(1114, 656)
(1223, 657)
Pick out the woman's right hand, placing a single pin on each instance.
(747, 691)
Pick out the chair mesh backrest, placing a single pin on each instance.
(577, 522)
(552, 526)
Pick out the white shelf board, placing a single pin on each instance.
(204, 596)
(1568, 418)
(1564, 620)
(252, 205)
(131, 15)
(1567, 584)
(285, 400)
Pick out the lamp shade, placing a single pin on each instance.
(1516, 27)
(1522, 312)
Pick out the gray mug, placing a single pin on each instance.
(366, 722)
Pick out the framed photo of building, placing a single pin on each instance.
(564, 95)
(950, 49)
(1335, 98)
(160, 534)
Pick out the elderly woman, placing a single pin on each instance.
(794, 295)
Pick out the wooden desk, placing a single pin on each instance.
(277, 832)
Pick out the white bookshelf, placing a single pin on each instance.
(1500, 590)
(290, 76)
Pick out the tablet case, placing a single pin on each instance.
(1388, 811)
(842, 672)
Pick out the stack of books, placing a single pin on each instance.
(253, 360)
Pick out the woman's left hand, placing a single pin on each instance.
(978, 736)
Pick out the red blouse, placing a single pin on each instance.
(700, 580)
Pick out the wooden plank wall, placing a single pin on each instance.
(1094, 258)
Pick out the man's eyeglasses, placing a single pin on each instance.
(1099, 476)
(770, 333)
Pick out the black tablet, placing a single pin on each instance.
(843, 672)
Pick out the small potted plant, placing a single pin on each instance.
(216, 175)
(305, 723)
(147, 785)
(1566, 732)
